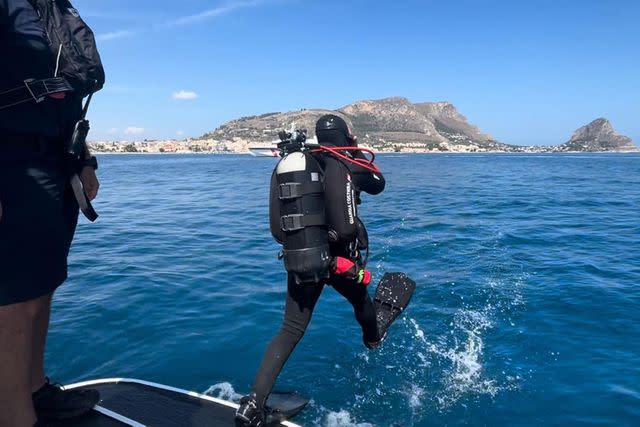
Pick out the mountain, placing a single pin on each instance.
(390, 124)
(598, 135)
(397, 124)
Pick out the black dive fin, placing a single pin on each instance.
(393, 295)
(282, 406)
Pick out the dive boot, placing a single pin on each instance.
(52, 403)
(250, 414)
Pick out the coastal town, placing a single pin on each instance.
(212, 146)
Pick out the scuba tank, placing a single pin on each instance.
(297, 211)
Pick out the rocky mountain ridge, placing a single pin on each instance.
(390, 124)
(397, 124)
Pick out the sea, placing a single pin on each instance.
(527, 310)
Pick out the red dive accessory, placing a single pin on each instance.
(364, 163)
(346, 267)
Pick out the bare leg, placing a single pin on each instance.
(16, 339)
(40, 329)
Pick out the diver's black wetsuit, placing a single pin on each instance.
(301, 299)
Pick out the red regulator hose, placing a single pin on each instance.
(364, 163)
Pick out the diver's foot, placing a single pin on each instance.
(250, 414)
(52, 403)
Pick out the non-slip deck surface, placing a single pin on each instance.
(155, 407)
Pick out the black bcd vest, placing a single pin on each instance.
(73, 45)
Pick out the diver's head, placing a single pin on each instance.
(333, 130)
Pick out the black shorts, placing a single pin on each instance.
(39, 218)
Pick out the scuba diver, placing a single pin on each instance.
(313, 214)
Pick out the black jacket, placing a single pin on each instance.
(25, 53)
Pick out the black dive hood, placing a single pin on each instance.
(332, 130)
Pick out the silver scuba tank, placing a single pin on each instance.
(297, 216)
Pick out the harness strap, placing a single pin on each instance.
(34, 90)
(83, 201)
(295, 190)
(298, 221)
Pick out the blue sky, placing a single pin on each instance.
(527, 72)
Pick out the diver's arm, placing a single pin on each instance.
(370, 182)
(367, 181)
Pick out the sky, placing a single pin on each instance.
(526, 72)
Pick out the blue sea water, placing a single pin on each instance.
(527, 311)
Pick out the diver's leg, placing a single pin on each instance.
(51, 402)
(300, 302)
(16, 337)
(40, 330)
(363, 308)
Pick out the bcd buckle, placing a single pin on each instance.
(291, 222)
(289, 190)
(39, 97)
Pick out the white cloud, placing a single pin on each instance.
(132, 130)
(114, 35)
(185, 20)
(211, 13)
(185, 95)
(180, 133)
(113, 131)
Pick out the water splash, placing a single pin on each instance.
(415, 396)
(342, 418)
(465, 374)
(223, 391)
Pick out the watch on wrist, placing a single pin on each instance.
(92, 162)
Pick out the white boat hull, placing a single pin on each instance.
(264, 151)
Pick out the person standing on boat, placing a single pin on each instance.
(344, 180)
(45, 74)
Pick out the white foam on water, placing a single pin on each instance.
(223, 391)
(419, 333)
(464, 373)
(415, 395)
(342, 419)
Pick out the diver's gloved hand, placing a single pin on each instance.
(346, 268)
(367, 181)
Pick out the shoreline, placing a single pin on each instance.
(381, 153)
